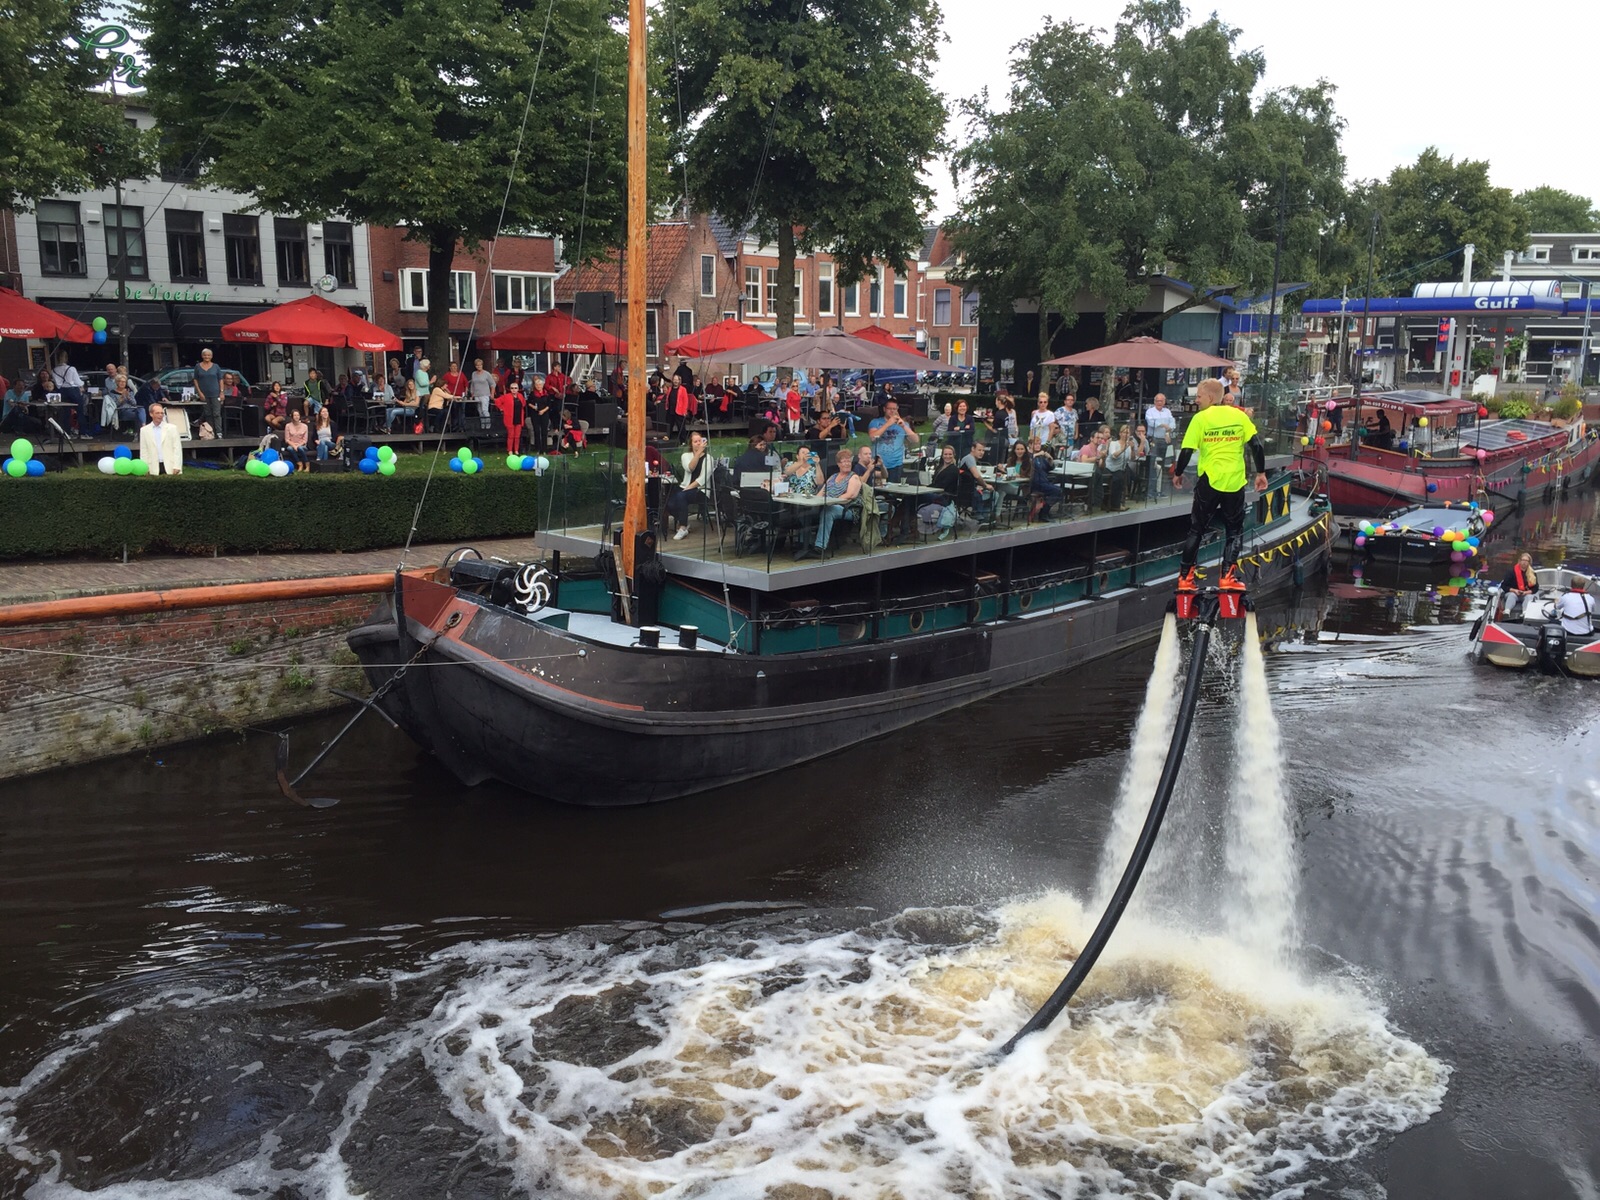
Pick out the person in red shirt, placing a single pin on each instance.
(791, 408)
(454, 382)
(683, 405)
(556, 382)
(513, 411)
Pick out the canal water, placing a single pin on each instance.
(789, 989)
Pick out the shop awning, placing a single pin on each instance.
(1439, 306)
(165, 320)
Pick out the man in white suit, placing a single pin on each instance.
(159, 446)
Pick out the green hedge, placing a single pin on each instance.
(86, 513)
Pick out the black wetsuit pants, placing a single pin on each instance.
(1207, 502)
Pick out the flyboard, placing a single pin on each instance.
(1203, 610)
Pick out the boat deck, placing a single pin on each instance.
(707, 556)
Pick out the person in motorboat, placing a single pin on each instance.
(1519, 585)
(1576, 608)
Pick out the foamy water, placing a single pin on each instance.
(782, 1064)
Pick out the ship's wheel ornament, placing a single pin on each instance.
(533, 586)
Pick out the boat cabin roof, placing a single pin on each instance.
(1425, 518)
(1419, 403)
(1501, 435)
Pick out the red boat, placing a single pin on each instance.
(1417, 447)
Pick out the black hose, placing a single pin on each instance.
(1092, 949)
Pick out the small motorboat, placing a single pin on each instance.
(1523, 631)
(1424, 534)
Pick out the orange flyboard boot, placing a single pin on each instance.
(1184, 602)
(1230, 594)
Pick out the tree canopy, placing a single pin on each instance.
(813, 118)
(59, 133)
(1145, 151)
(1551, 210)
(403, 114)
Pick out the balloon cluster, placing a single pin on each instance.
(122, 462)
(22, 463)
(378, 460)
(465, 463)
(269, 464)
(538, 464)
(99, 327)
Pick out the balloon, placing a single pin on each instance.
(479, 461)
(1482, 454)
(464, 453)
(255, 468)
(1482, 411)
(99, 337)
(22, 449)
(514, 462)
(107, 465)
(1404, 445)
(1456, 556)
(35, 468)
(1327, 426)
(1438, 531)
(1422, 422)
(456, 465)
(1331, 405)
(368, 466)
(544, 463)
(1432, 487)
(124, 466)
(386, 467)
(122, 452)
(1474, 542)
(1488, 517)
(138, 466)
(1320, 442)
(270, 456)
(1305, 441)
(385, 453)
(372, 453)
(529, 462)
(279, 468)
(98, 324)
(470, 467)
(1360, 540)
(15, 467)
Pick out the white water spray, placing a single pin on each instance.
(1260, 902)
(1147, 755)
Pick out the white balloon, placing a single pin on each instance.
(544, 463)
(279, 468)
(107, 465)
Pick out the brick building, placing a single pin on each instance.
(520, 281)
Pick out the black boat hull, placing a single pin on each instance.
(497, 695)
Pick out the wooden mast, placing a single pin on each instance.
(633, 517)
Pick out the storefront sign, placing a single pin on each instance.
(163, 293)
(124, 67)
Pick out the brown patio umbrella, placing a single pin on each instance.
(1141, 352)
(831, 349)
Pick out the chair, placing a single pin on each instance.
(232, 420)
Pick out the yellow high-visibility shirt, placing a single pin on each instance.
(1218, 436)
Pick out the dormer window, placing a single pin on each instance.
(1535, 254)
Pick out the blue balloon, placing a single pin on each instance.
(479, 461)
(530, 461)
(122, 452)
(455, 465)
(372, 453)
(99, 337)
(269, 456)
(368, 466)
(35, 468)
(1433, 487)
(6, 466)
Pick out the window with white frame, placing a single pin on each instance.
(799, 292)
(1571, 291)
(1535, 254)
(414, 290)
(730, 316)
(61, 244)
(752, 290)
(685, 322)
(523, 292)
(1586, 254)
(875, 295)
(825, 289)
(772, 291)
(708, 275)
(852, 300)
(899, 294)
(652, 338)
(933, 347)
(941, 306)
(969, 308)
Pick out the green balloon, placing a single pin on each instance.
(98, 324)
(386, 467)
(16, 468)
(124, 466)
(514, 462)
(464, 454)
(469, 466)
(138, 466)
(22, 450)
(256, 467)
(386, 454)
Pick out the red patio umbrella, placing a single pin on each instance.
(1141, 352)
(555, 332)
(726, 334)
(877, 333)
(311, 321)
(22, 318)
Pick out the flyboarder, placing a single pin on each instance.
(1218, 435)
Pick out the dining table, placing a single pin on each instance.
(908, 497)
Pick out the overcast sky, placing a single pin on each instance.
(1505, 82)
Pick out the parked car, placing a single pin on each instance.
(175, 379)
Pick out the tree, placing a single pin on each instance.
(1142, 153)
(812, 118)
(1434, 207)
(404, 114)
(1551, 210)
(59, 133)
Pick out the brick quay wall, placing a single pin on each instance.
(100, 687)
